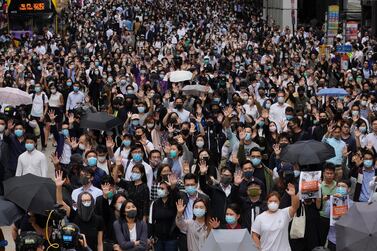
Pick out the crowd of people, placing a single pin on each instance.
(182, 165)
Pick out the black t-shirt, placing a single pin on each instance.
(89, 228)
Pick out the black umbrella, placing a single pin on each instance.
(9, 212)
(100, 121)
(30, 192)
(307, 152)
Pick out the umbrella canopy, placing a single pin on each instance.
(100, 121)
(9, 212)
(357, 230)
(307, 152)
(180, 76)
(14, 96)
(333, 92)
(196, 90)
(30, 192)
(225, 240)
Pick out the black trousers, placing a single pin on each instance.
(182, 242)
(324, 229)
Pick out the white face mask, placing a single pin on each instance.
(101, 158)
(2, 128)
(82, 147)
(273, 206)
(273, 129)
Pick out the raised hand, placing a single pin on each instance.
(171, 128)
(203, 167)
(59, 181)
(238, 177)
(180, 206)
(357, 133)
(110, 142)
(277, 149)
(291, 190)
(172, 180)
(214, 223)
(55, 159)
(345, 152)
(71, 118)
(242, 135)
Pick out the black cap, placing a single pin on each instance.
(256, 181)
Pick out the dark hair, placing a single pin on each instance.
(190, 176)
(101, 149)
(345, 181)
(142, 171)
(107, 179)
(246, 162)
(273, 193)
(329, 166)
(159, 170)
(207, 215)
(134, 147)
(31, 137)
(88, 170)
(235, 208)
(90, 151)
(122, 215)
(154, 151)
(255, 149)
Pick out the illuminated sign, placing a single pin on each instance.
(31, 7)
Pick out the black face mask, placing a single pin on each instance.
(84, 180)
(185, 132)
(323, 121)
(178, 106)
(131, 214)
(226, 180)
(138, 137)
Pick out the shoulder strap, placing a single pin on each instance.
(125, 169)
(43, 98)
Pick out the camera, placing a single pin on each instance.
(70, 235)
(28, 241)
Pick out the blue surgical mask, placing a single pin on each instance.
(135, 122)
(230, 219)
(217, 100)
(135, 176)
(256, 161)
(297, 173)
(37, 89)
(161, 193)
(18, 133)
(248, 174)
(368, 163)
(137, 157)
(29, 147)
(65, 132)
(190, 190)
(341, 190)
(141, 109)
(69, 83)
(92, 161)
(126, 142)
(289, 117)
(76, 88)
(199, 212)
(355, 113)
(261, 123)
(248, 136)
(173, 154)
(363, 129)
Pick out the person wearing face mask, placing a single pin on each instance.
(131, 233)
(270, 229)
(104, 208)
(32, 161)
(102, 162)
(197, 228)
(39, 110)
(342, 190)
(92, 162)
(74, 99)
(124, 148)
(363, 170)
(218, 193)
(277, 110)
(136, 188)
(136, 157)
(333, 138)
(4, 155)
(260, 171)
(84, 216)
(162, 215)
(253, 203)
(86, 177)
(183, 114)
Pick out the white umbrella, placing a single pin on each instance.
(180, 76)
(14, 96)
(232, 239)
(196, 90)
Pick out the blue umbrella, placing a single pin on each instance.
(333, 92)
